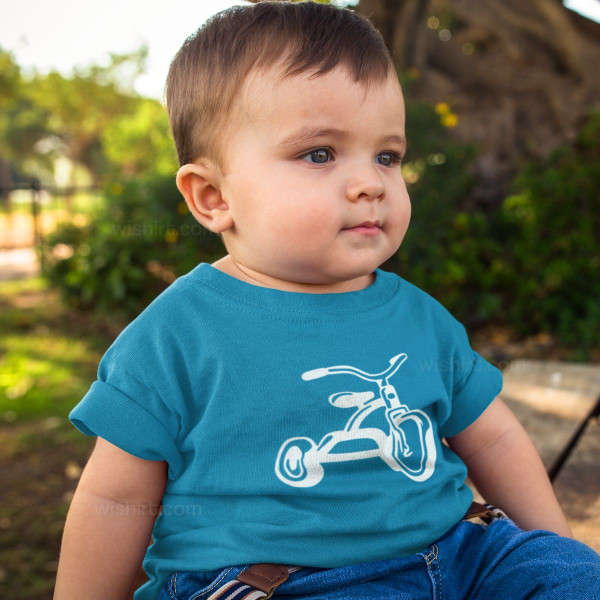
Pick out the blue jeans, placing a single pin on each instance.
(483, 562)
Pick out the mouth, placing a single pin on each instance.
(369, 227)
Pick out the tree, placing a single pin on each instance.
(84, 105)
(518, 75)
(140, 143)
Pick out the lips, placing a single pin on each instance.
(366, 224)
(369, 224)
(366, 228)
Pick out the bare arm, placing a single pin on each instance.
(109, 524)
(507, 470)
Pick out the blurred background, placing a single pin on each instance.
(503, 170)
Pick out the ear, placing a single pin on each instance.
(199, 184)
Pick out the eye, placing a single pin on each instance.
(320, 155)
(393, 159)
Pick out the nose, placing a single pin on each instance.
(364, 182)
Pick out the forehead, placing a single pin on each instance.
(282, 105)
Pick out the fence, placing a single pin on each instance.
(30, 211)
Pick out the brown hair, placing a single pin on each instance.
(208, 72)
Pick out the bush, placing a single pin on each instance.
(550, 228)
(141, 240)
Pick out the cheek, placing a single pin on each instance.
(406, 212)
(301, 215)
(402, 206)
(399, 217)
(317, 224)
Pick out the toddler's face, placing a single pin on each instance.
(296, 198)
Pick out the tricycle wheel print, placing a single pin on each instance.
(295, 463)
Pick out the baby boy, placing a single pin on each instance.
(292, 405)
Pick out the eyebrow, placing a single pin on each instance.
(305, 134)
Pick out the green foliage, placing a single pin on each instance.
(120, 73)
(141, 143)
(140, 242)
(47, 116)
(550, 228)
(80, 109)
(22, 123)
(10, 78)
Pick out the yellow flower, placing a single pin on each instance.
(171, 235)
(449, 120)
(441, 108)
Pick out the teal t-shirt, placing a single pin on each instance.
(303, 429)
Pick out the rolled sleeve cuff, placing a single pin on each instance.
(108, 413)
(482, 386)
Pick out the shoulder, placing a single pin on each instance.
(164, 320)
(421, 304)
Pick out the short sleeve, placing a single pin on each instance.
(475, 384)
(128, 414)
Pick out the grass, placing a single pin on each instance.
(48, 360)
(48, 354)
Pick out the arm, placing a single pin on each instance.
(507, 470)
(109, 524)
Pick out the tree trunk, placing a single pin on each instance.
(520, 76)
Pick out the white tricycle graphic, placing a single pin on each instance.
(408, 446)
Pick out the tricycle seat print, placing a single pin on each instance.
(407, 446)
